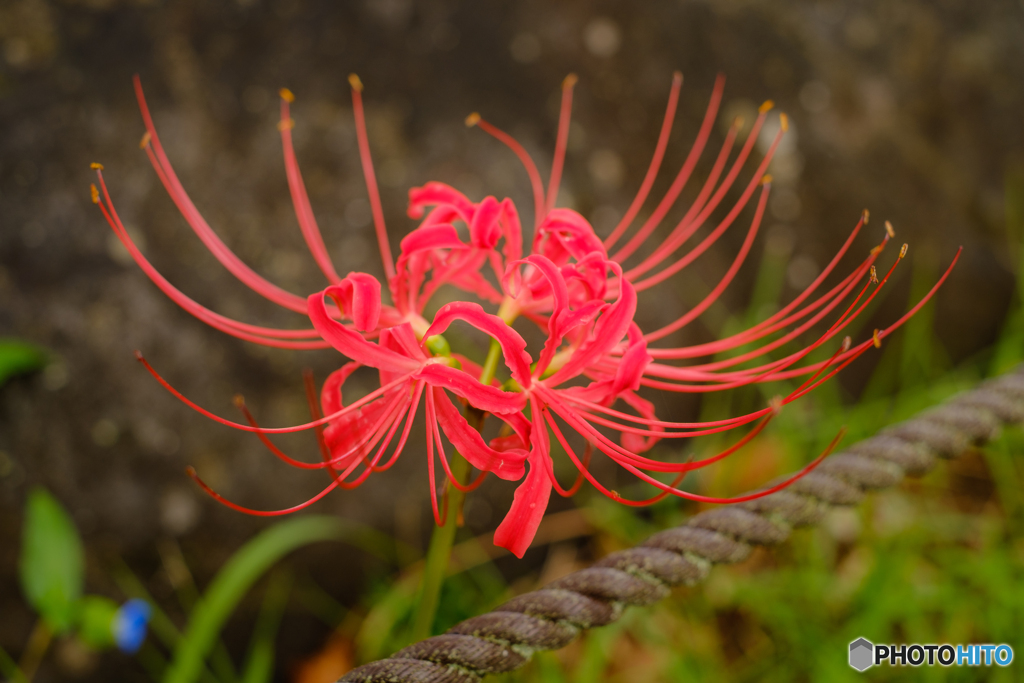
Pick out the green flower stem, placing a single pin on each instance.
(439, 553)
(491, 364)
(35, 650)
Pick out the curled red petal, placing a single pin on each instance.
(484, 230)
(509, 464)
(358, 297)
(513, 346)
(436, 194)
(517, 530)
(442, 236)
(486, 398)
(351, 343)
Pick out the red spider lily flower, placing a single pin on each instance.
(584, 300)
(580, 294)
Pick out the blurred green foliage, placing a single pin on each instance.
(52, 561)
(18, 357)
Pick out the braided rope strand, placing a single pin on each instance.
(550, 618)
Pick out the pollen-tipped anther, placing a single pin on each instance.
(95, 166)
(903, 249)
(766, 179)
(144, 142)
(775, 403)
(288, 96)
(239, 401)
(570, 80)
(472, 120)
(765, 107)
(357, 85)
(876, 340)
(865, 215)
(191, 471)
(95, 194)
(889, 230)
(874, 275)
(784, 122)
(139, 357)
(847, 343)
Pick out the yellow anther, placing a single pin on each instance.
(847, 343)
(903, 249)
(472, 120)
(95, 194)
(874, 275)
(876, 340)
(775, 403)
(737, 122)
(96, 167)
(889, 230)
(784, 122)
(876, 250)
(286, 95)
(767, 106)
(865, 215)
(286, 124)
(766, 179)
(144, 142)
(238, 400)
(570, 80)
(356, 84)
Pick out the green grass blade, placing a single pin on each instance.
(259, 665)
(242, 570)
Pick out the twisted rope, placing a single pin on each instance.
(550, 618)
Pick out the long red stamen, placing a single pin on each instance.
(655, 166)
(371, 179)
(314, 412)
(250, 511)
(688, 165)
(524, 158)
(300, 199)
(668, 201)
(736, 264)
(564, 117)
(260, 335)
(750, 496)
(410, 416)
(174, 188)
(355, 405)
(776, 321)
(882, 334)
(327, 463)
(674, 242)
(762, 373)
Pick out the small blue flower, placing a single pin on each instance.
(130, 625)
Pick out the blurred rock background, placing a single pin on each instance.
(911, 108)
